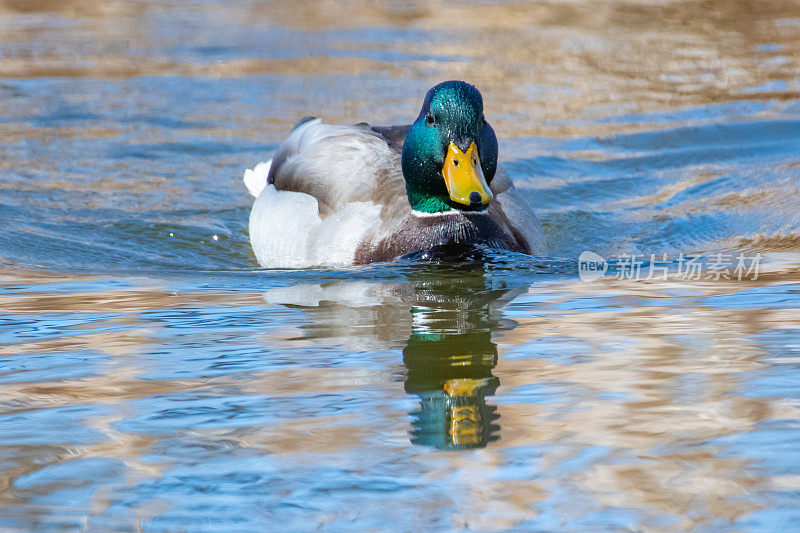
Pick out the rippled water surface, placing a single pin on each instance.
(154, 377)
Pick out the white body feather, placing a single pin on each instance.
(255, 179)
(286, 230)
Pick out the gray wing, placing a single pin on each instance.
(280, 156)
(511, 210)
(336, 165)
(394, 135)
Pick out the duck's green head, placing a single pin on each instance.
(450, 152)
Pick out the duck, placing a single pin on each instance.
(343, 195)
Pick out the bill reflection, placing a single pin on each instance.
(452, 375)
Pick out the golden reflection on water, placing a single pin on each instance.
(650, 382)
(536, 63)
(647, 377)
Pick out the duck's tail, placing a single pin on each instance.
(255, 179)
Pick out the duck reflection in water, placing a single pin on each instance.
(452, 375)
(445, 317)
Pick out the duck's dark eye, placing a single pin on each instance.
(455, 162)
(430, 120)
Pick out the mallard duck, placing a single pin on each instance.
(346, 195)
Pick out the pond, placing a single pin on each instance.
(153, 376)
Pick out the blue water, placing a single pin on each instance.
(153, 377)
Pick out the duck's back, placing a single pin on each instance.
(337, 165)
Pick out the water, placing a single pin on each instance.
(154, 377)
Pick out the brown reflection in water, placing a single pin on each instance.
(118, 380)
(655, 377)
(656, 382)
(648, 377)
(123, 301)
(535, 62)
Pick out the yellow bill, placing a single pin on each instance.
(464, 177)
